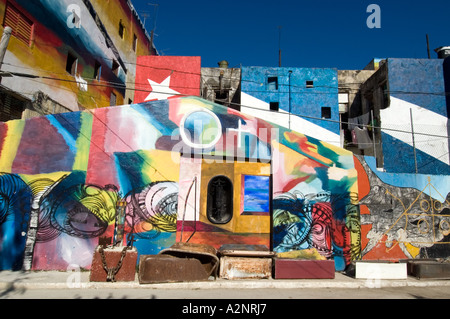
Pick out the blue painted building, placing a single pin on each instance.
(303, 99)
(409, 101)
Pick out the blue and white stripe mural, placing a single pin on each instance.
(417, 93)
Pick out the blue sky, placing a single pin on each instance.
(317, 34)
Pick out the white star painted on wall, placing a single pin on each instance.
(160, 91)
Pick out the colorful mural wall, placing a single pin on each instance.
(403, 216)
(185, 169)
(417, 93)
(296, 98)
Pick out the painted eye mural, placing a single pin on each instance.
(301, 194)
(82, 211)
(153, 210)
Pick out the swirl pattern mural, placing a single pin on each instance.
(72, 181)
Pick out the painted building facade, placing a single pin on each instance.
(71, 55)
(165, 77)
(408, 100)
(186, 169)
(303, 99)
(222, 85)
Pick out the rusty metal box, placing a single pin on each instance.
(167, 268)
(112, 256)
(428, 269)
(304, 269)
(245, 268)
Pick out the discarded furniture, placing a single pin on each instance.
(180, 262)
(113, 264)
(245, 262)
(428, 268)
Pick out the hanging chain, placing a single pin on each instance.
(111, 272)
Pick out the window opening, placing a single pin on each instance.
(326, 112)
(113, 99)
(115, 67)
(274, 106)
(121, 30)
(272, 83)
(97, 71)
(220, 200)
(22, 27)
(72, 64)
(134, 42)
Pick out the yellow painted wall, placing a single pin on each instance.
(46, 56)
(234, 171)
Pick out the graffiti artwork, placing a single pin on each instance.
(149, 175)
(15, 207)
(309, 221)
(405, 222)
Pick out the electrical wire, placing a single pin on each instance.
(303, 89)
(121, 86)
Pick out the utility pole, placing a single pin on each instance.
(290, 73)
(279, 46)
(413, 140)
(4, 45)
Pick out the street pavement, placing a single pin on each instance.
(81, 280)
(241, 298)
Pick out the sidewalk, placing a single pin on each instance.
(67, 280)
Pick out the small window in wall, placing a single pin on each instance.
(121, 30)
(221, 96)
(326, 112)
(309, 84)
(71, 64)
(219, 208)
(274, 106)
(385, 93)
(115, 67)
(135, 39)
(11, 108)
(97, 71)
(113, 99)
(272, 83)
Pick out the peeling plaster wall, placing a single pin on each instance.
(92, 42)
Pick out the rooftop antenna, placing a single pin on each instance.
(145, 15)
(428, 47)
(152, 33)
